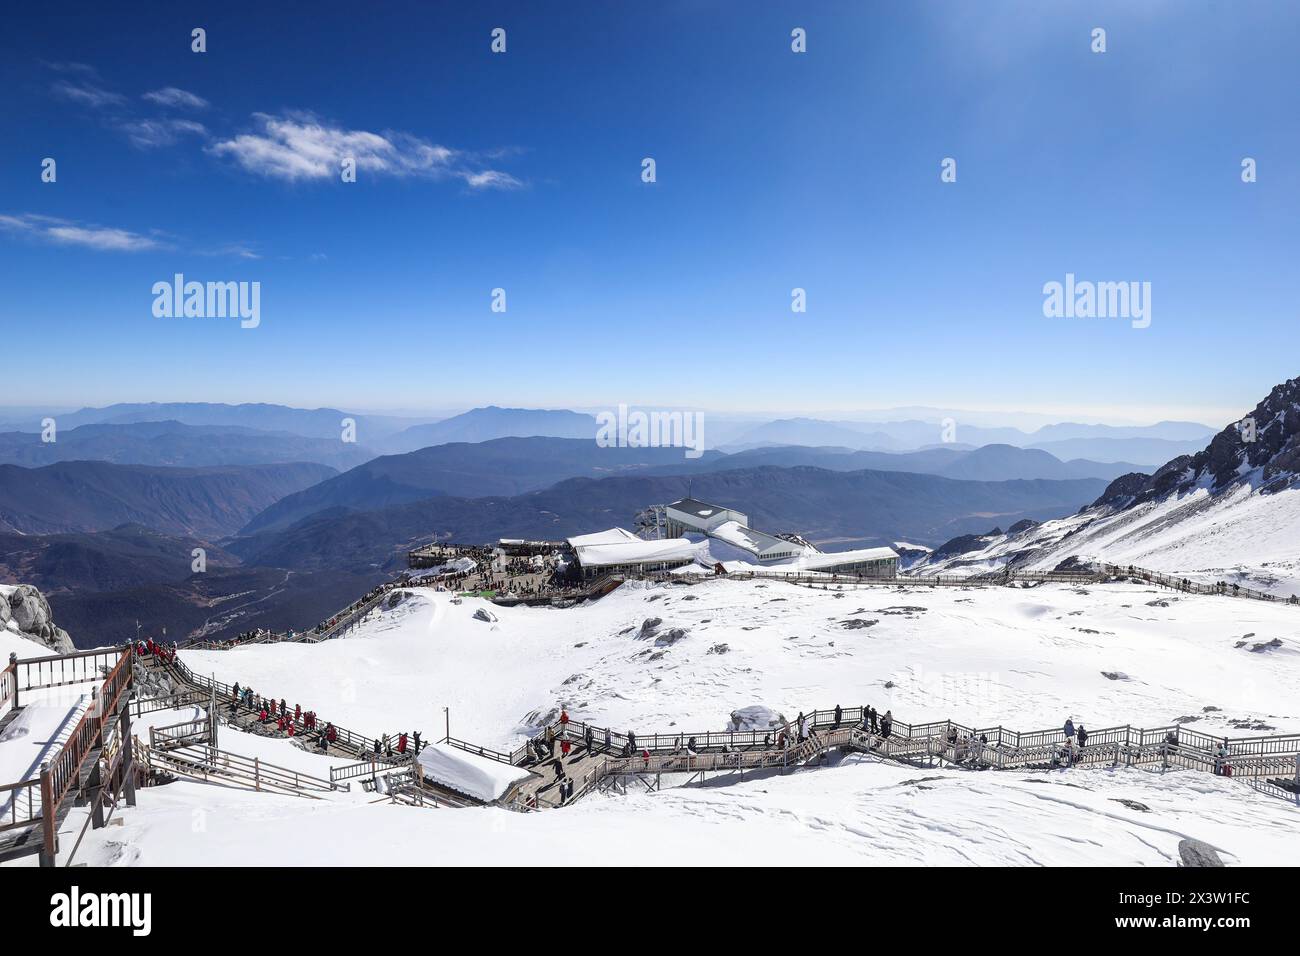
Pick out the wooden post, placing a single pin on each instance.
(95, 786)
(128, 754)
(49, 832)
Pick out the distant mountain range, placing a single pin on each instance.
(310, 423)
(174, 443)
(502, 466)
(987, 463)
(490, 423)
(838, 509)
(1147, 445)
(197, 434)
(208, 503)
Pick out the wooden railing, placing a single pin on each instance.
(346, 739)
(368, 767)
(1188, 586)
(206, 763)
(9, 684)
(1005, 748)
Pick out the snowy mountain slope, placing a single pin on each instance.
(1231, 513)
(1240, 536)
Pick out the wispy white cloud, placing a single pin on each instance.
(299, 146)
(87, 94)
(176, 98)
(68, 232)
(491, 179)
(234, 250)
(149, 133)
(68, 66)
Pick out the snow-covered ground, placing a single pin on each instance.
(1022, 657)
(860, 812)
(1241, 536)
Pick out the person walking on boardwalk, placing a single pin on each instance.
(415, 737)
(839, 714)
(609, 740)
(1069, 729)
(401, 744)
(1082, 736)
(564, 746)
(803, 727)
(587, 739)
(887, 724)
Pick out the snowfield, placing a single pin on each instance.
(683, 657)
(1025, 658)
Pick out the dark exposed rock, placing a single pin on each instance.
(857, 623)
(1197, 853)
(1132, 804)
(648, 627)
(670, 637)
(1275, 452)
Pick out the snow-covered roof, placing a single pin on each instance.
(833, 559)
(699, 509)
(636, 551)
(755, 542)
(612, 536)
(480, 777)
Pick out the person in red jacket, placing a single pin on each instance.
(401, 744)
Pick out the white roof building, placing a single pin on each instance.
(690, 514)
(764, 546)
(882, 561)
(617, 548)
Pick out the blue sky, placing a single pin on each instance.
(775, 170)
